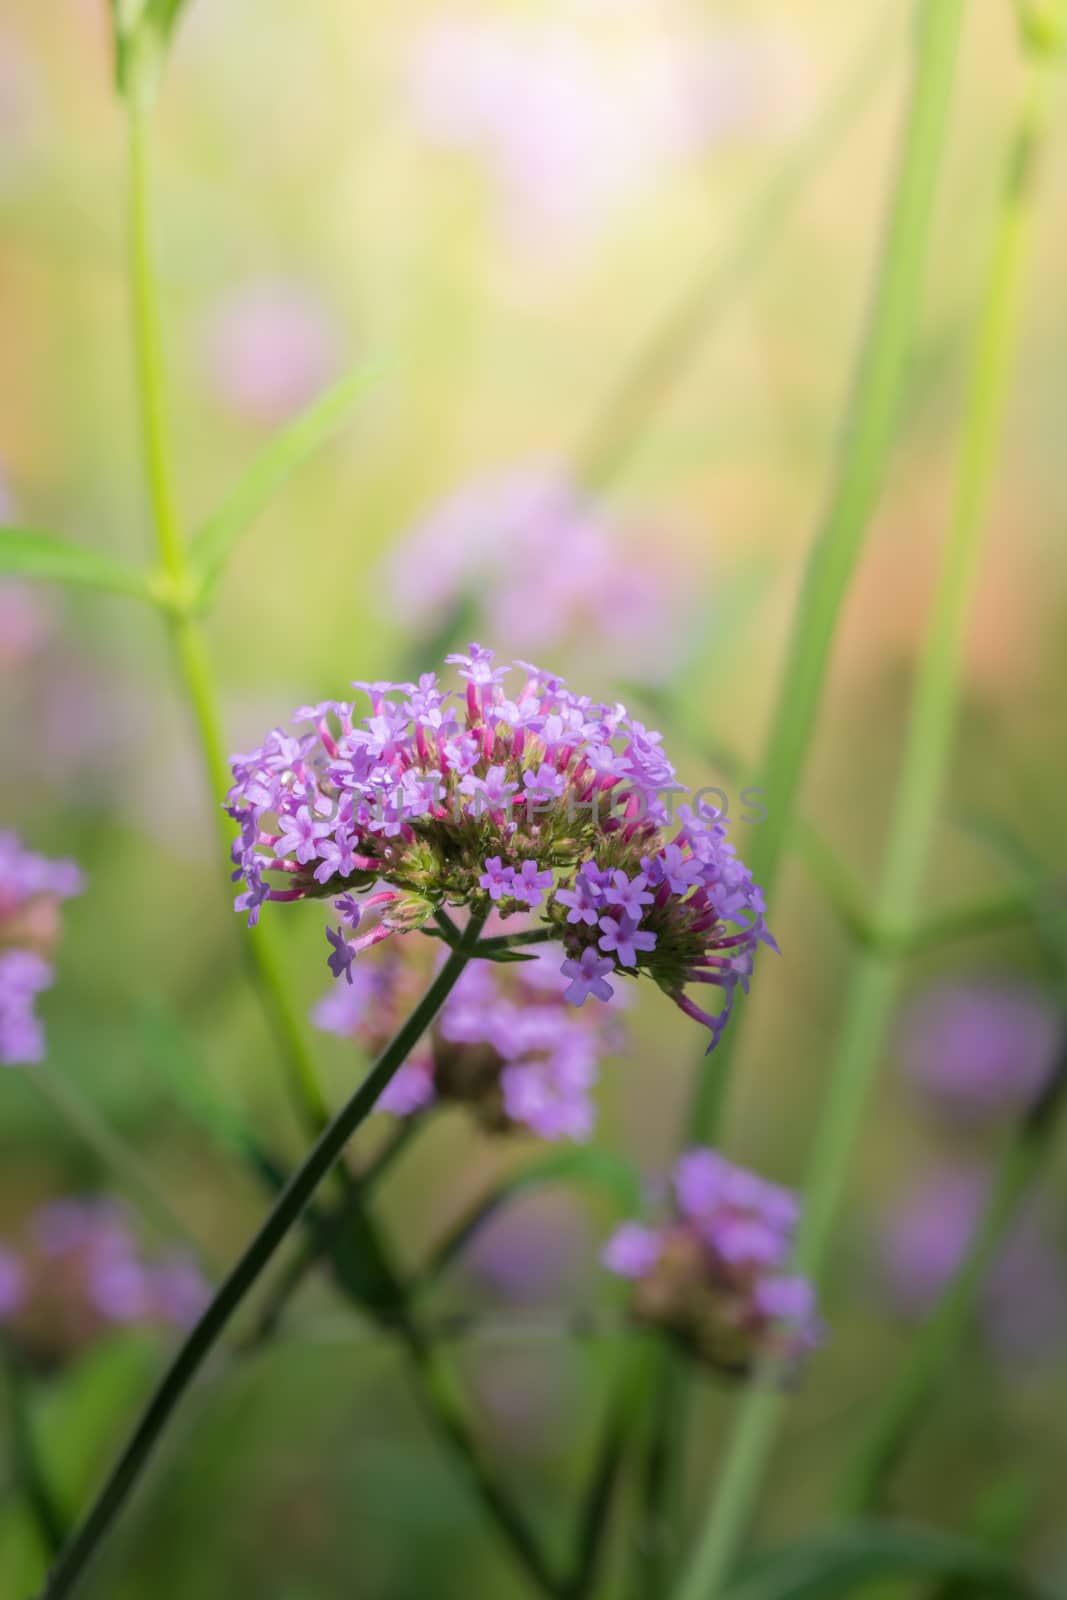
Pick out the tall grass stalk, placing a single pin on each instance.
(924, 766)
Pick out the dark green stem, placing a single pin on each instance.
(204, 1336)
(27, 1467)
(444, 1411)
(661, 1476)
(595, 1506)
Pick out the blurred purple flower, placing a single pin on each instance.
(271, 349)
(718, 1276)
(981, 1049)
(12, 1283)
(505, 1043)
(1023, 1302)
(537, 1250)
(78, 1272)
(575, 117)
(549, 570)
(31, 891)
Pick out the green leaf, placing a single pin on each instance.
(846, 1560)
(349, 1241)
(44, 557)
(591, 1165)
(168, 1051)
(504, 956)
(214, 544)
(1034, 878)
(142, 30)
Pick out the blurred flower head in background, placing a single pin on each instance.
(1023, 1303)
(548, 569)
(718, 1277)
(32, 888)
(549, 802)
(505, 1044)
(576, 115)
(78, 1272)
(271, 347)
(535, 1251)
(982, 1048)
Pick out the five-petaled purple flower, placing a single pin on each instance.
(530, 883)
(497, 879)
(340, 962)
(587, 977)
(624, 939)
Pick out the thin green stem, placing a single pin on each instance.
(873, 412)
(594, 1514)
(923, 770)
(662, 1476)
(326, 1232)
(937, 1344)
(28, 1468)
(197, 679)
(149, 339)
(437, 1391)
(190, 650)
(113, 1151)
(204, 1336)
(514, 941)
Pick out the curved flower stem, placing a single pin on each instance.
(876, 393)
(436, 1389)
(625, 1388)
(513, 941)
(872, 415)
(193, 663)
(939, 1340)
(922, 774)
(27, 1466)
(198, 1345)
(662, 1474)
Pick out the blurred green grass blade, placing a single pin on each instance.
(171, 1055)
(213, 546)
(44, 557)
(662, 359)
(142, 30)
(849, 1560)
(1045, 887)
(601, 1169)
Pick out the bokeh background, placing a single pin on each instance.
(503, 208)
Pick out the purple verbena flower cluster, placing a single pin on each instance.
(504, 1044)
(31, 891)
(983, 1049)
(717, 1277)
(79, 1272)
(1022, 1306)
(545, 801)
(607, 594)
